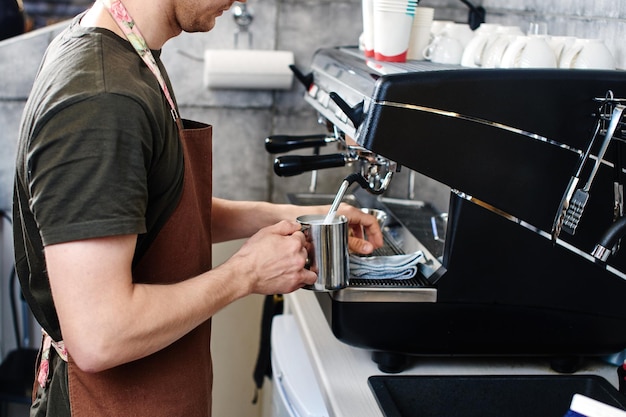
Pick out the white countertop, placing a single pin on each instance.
(342, 370)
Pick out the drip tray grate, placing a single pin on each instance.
(389, 283)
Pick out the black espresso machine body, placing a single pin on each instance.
(515, 277)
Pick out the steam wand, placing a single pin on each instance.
(345, 184)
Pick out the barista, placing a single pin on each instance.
(114, 221)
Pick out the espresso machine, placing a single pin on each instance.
(528, 260)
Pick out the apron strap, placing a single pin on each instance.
(44, 365)
(126, 23)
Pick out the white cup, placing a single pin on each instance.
(559, 44)
(475, 47)
(392, 31)
(438, 26)
(399, 3)
(493, 51)
(403, 6)
(420, 32)
(529, 52)
(444, 50)
(587, 54)
(460, 31)
(424, 16)
(368, 27)
(395, 9)
(483, 41)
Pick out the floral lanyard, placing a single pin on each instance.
(126, 23)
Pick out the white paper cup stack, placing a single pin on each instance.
(368, 27)
(420, 32)
(393, 21)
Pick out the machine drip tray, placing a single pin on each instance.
(488, 396)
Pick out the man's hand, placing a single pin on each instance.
(273, 260)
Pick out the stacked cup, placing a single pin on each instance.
(393, 21)
(420, 32)
(368, 27)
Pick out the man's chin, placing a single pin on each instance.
(202, 26)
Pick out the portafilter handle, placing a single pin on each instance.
(290, 165)
(286, 143)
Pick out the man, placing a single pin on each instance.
(114, 222)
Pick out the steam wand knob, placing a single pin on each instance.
(355, 114)
(306, 80)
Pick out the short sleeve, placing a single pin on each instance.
(87, 170)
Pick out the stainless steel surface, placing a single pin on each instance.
(378, 171)
(327, 251)
(386, 295)
(380, 215)
(355, 79)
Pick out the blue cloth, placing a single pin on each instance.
(385, 267)
(571, 413)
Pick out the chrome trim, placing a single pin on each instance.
(489, 123)
(601, 253)
(386, 295)
(540, 232)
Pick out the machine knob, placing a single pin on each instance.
(306, 80)
(355, 114)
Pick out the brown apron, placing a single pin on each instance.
(177, 380)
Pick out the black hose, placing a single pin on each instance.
(355, 177)
(613, 233)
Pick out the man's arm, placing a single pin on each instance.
(107, 320)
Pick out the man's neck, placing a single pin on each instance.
(153, 29)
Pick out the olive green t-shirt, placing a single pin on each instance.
(98, 155)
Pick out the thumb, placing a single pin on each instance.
(361, 246)
(286, 228)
